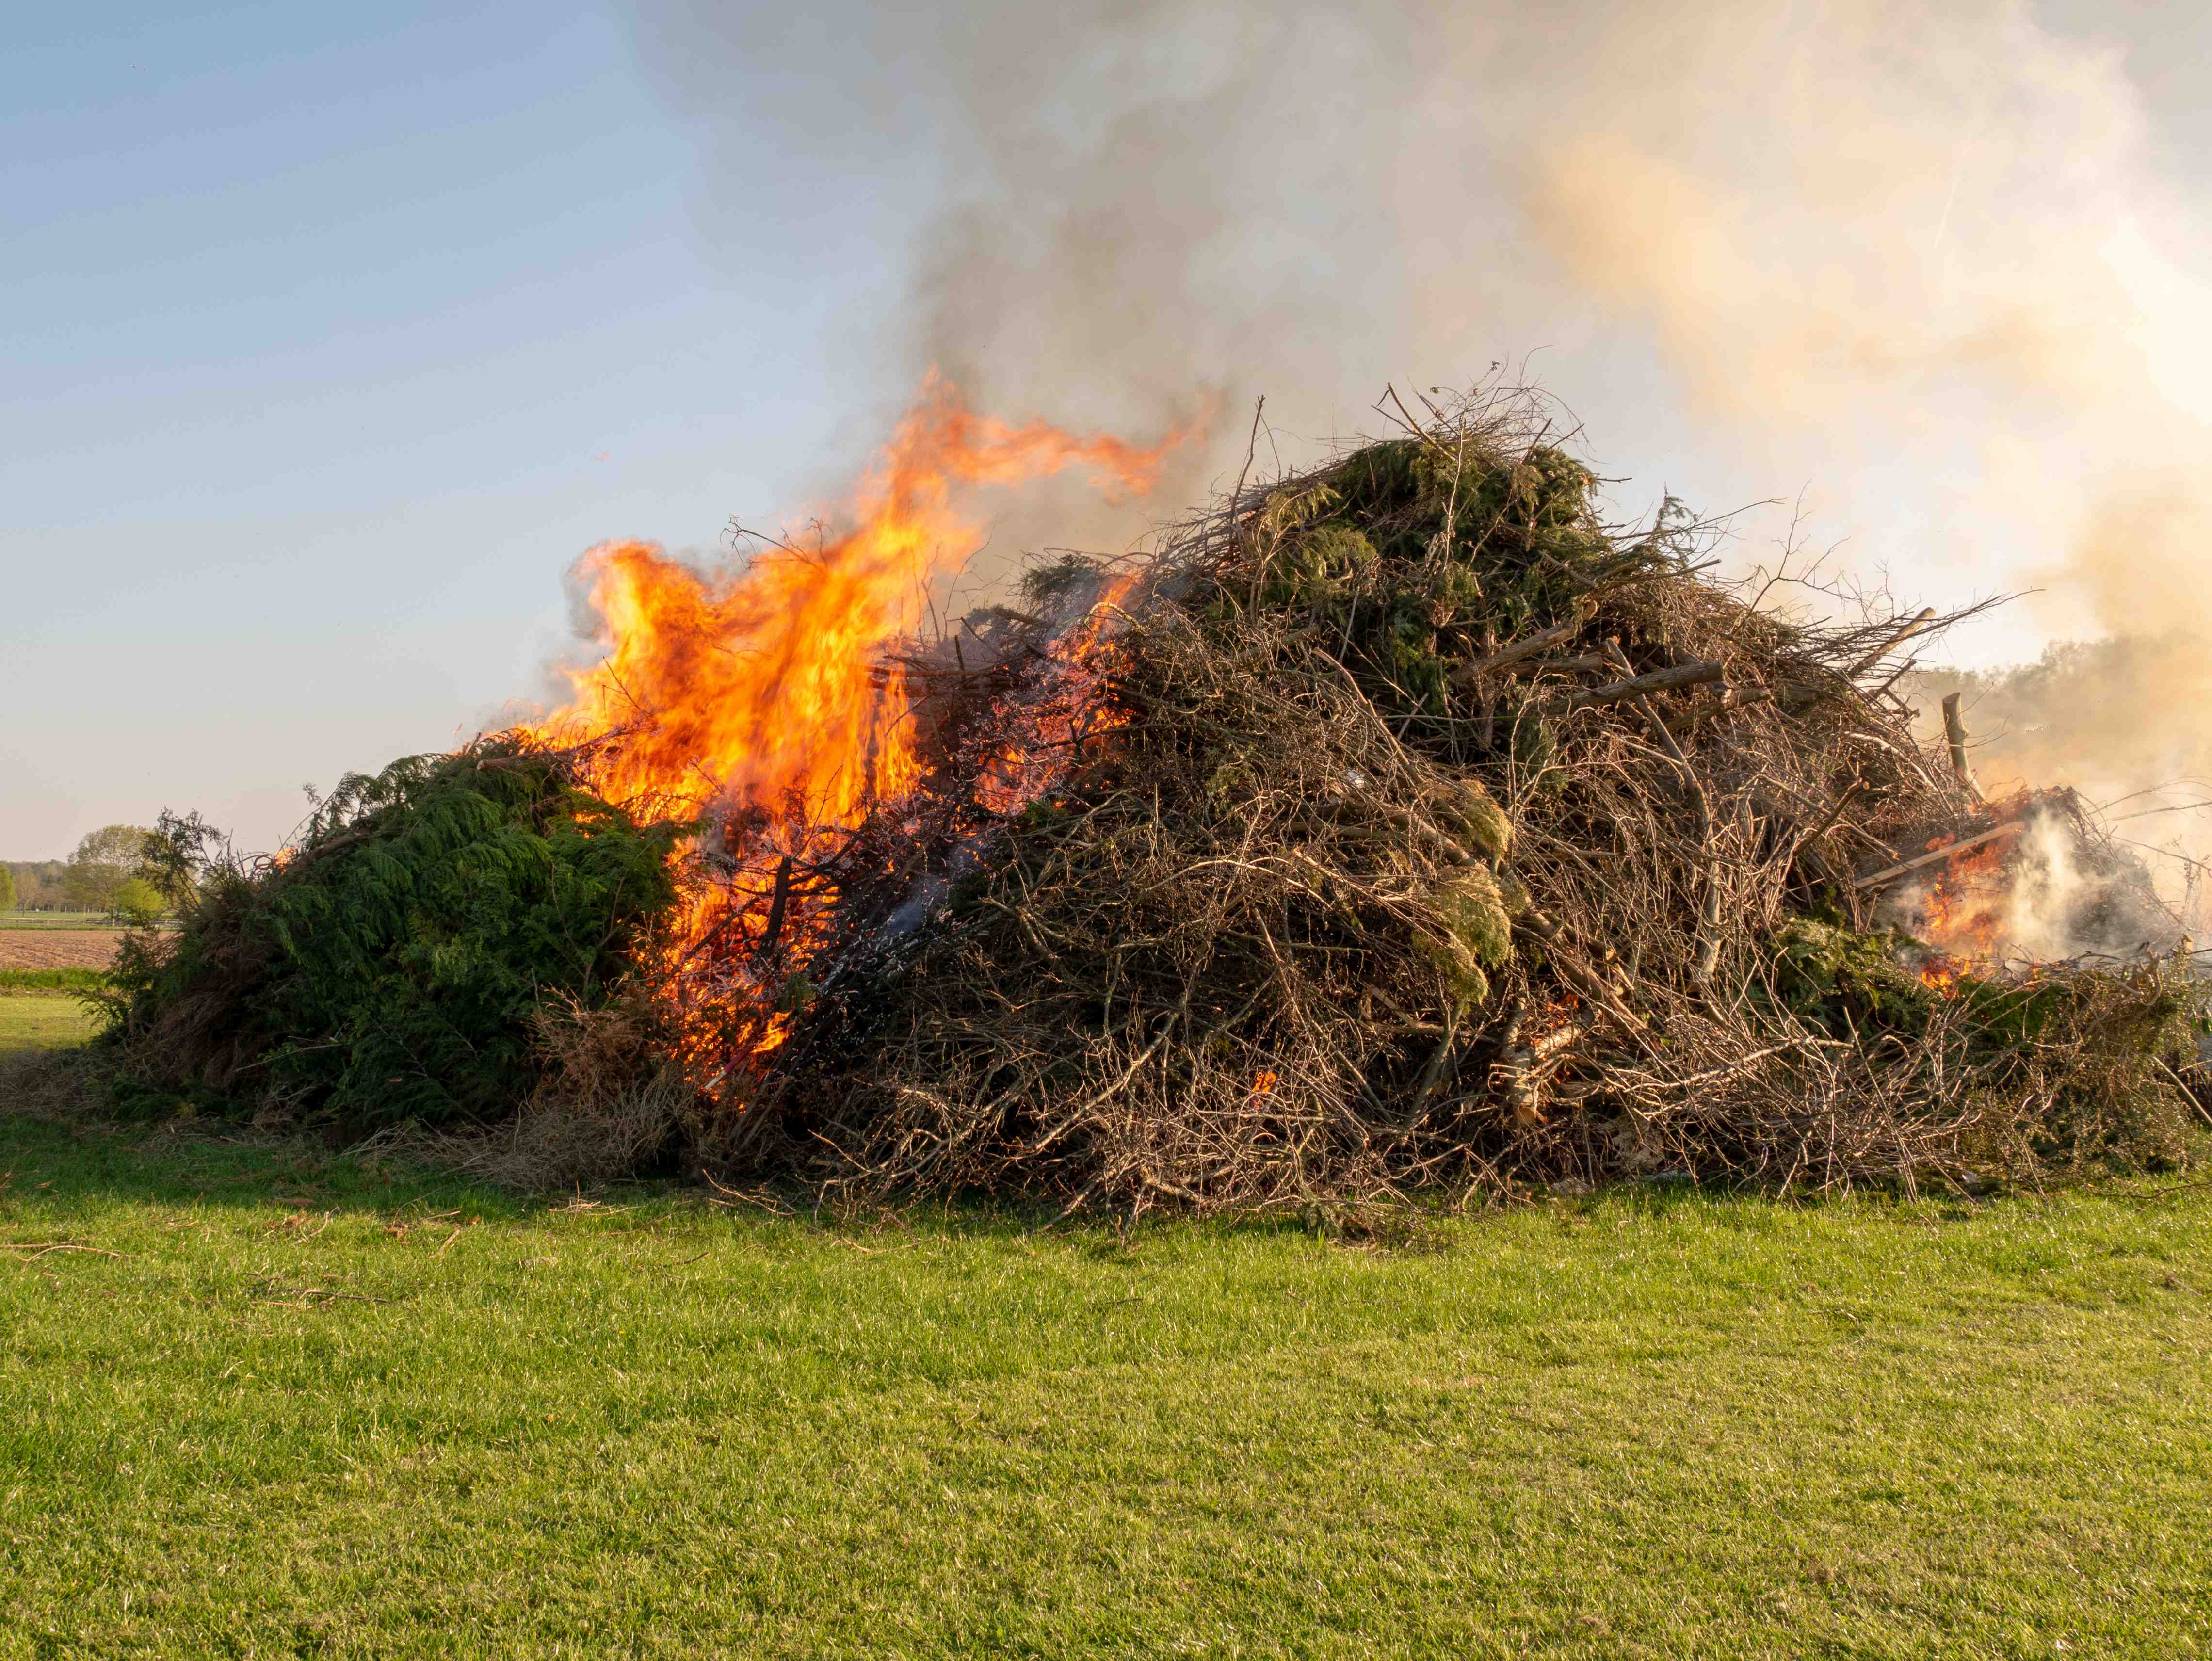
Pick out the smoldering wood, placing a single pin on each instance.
(772, 931)
(1942, 855)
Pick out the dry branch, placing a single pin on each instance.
(1918, 622)
(1345, 896)
(1659, 680)
(1505, 657)
(1942, 855)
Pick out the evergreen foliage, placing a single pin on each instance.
(1404, 552)
(388, 967)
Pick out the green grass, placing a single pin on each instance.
(59, 919)
(51, 980)
(40, 1023)
(261, 1400)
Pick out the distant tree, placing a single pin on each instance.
(105, 860)
(138, 902)
(7, 888)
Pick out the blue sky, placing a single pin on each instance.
(331, 335)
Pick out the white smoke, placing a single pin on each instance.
(1927, 260)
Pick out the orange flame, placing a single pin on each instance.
(1961, 907)
(749, 687)
(759, 695)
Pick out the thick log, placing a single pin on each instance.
(1742, 697)
(1520, 1071)
(1954, 734)
(902, 670)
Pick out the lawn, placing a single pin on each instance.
(39, 1023)
(266, 1399)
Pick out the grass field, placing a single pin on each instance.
(51, 980)
(266, 1400)
(40, 1023)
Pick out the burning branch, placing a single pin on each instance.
(1942, 855)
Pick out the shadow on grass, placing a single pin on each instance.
(60, 1138)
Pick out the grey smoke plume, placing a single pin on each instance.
(1929, 261)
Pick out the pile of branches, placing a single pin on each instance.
(1399, 826)
(424, 954)
(1438, 834)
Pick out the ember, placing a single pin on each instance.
(2037, 885)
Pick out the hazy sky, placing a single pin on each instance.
(333, 334)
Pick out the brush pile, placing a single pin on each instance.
(1407, 827)
(1398, 826)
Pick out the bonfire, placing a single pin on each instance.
(1395, 826)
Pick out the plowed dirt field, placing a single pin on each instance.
(58, 948)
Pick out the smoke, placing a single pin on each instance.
(1927, 261)
(2123, 721)
(2046, 897)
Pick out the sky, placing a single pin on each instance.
(332, 336)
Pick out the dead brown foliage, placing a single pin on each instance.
(1443, 837)
(611, 1103)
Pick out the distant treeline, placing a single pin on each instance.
(42, 885)
(107, 873)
